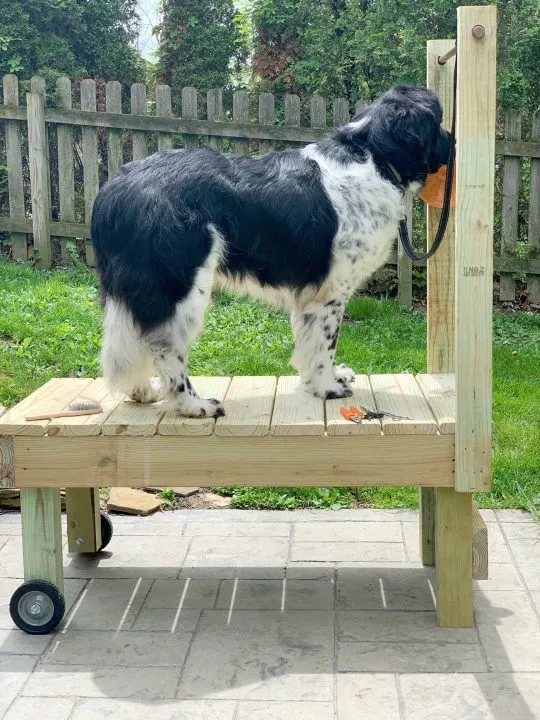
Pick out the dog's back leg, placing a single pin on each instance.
(126, 358)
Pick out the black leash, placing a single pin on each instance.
(443, 222)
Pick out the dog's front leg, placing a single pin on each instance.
(316, 329)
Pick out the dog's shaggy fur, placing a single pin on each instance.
(302, 229)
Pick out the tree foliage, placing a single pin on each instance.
(199, 40)
(78, 38)
(358, 48)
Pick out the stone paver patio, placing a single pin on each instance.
(312, 615)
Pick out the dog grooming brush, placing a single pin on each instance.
(81, 407)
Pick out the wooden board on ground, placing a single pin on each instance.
(207, 387)
(401, 394)
(132, 502)
(362, 395)
(52, 397)
(440, 393)
(96, 392)
(296, 411)
(248, 407)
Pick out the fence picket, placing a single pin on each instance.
(138, 107)
(341, 112)
(66, 174)
(292, 110)
(164, 109)
(318, 112)
(241, 115)
(190, 111)
(113, 103)
(214, 111)
(533, 282)
(510, 217)
(90, 162)
(38, 151)
(267, 116)
(360, 106)
(19, 249)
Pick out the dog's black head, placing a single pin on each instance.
(402, 129)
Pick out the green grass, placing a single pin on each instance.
(50, 325)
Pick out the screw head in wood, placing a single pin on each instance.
(479, 31)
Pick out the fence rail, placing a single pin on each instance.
(57, 157)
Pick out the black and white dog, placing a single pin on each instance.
(301, 229)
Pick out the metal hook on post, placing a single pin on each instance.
(443, 59)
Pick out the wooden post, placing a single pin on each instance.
(83, 520)
(164, 109)
(404, 262)
(214, 112)
(138, 107)
(241, 114)
(19, 250)
(510, 201)
(190, 111)
(474, 247)
(38, 150)
(440, 281)
(113, 103)
(480, 553)
(475, 163)
(66, 173)
(533, 281)
(267, 116)
(453, 543)
(41, 535)
(90, 162)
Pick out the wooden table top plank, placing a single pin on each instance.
(336, 424)
(96, 392)
(401, 394)
(296, 410)
(208, 387)
(248, 407)
(133, 418)
(52, 397)
(440, 393)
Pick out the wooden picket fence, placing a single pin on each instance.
(57, 157)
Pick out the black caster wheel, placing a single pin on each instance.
(37, 606)
(106, 531)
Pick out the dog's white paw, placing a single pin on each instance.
(197, 407)
(344, 372)
(333, 391)
(145, 394)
